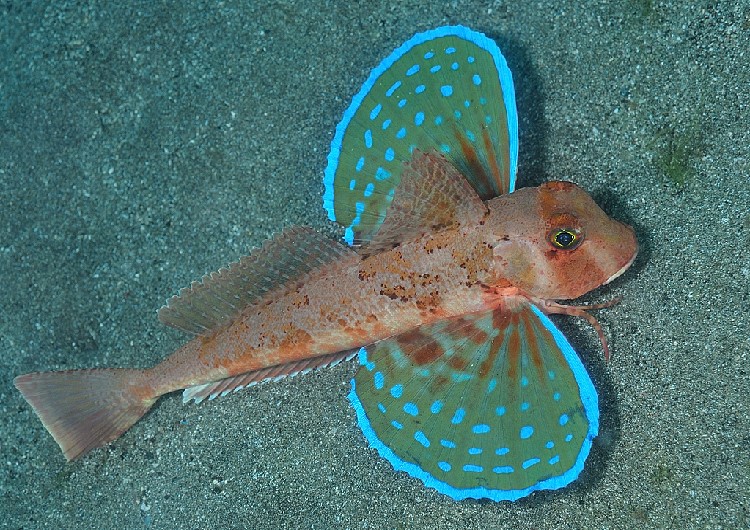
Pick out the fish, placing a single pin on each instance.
(442, 288)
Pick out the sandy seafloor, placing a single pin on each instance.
(143, 146)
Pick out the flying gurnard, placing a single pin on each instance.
(443, 292)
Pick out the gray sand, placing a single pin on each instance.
(142, 147)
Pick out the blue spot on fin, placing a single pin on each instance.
(403, 87)
(463, 448)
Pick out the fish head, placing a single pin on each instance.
(554, 242)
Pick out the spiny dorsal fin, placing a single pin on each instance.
(431, 196)
(221, 296)
(223, 387)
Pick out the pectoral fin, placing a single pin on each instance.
(491, 405)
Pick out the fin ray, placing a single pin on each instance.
(86, 409)
(220, 296)
(223, 387)
(432, 196)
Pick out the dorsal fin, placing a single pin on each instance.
(431, 196)
(219, 297)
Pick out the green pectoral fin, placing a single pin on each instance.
(489, 405)
(447, 90)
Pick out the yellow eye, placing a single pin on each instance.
(565, 238)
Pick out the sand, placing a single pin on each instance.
(143, 146)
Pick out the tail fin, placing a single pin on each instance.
(85, 409)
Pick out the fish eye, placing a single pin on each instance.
(565, 238)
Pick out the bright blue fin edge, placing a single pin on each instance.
(590, 403)
(506, 82)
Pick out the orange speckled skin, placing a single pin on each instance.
(460, 270)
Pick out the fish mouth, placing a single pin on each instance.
(623, 269)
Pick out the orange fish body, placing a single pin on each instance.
(355, 301)
(442, 271)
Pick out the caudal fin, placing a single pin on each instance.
(85, 409)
